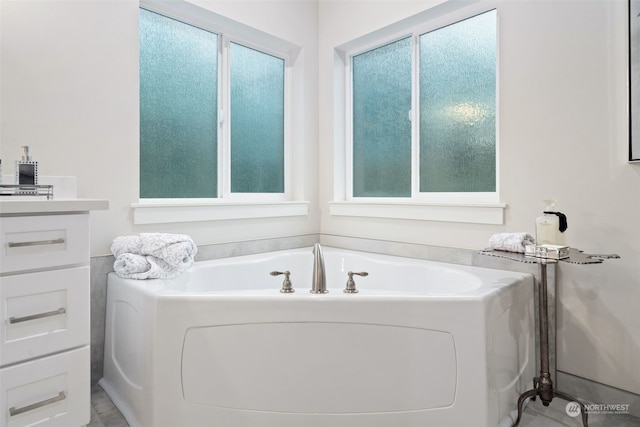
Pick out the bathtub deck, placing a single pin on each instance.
(105, 414)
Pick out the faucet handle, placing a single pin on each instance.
(351, 284)
(287, 286)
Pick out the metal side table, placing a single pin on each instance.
(543, 385)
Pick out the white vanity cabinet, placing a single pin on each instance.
(44, 312)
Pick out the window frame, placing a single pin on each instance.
(478, 207)
(414, 34)
(224, 132)
(230, 205)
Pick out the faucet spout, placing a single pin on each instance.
(319, 281)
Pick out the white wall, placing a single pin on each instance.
(563, 133)
(70, 91)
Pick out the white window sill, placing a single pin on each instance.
(158, 213)
(474, 213)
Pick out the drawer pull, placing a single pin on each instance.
(13, 320)
(36, 243)
(13, 411)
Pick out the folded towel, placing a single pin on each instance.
(177, 250)
(153, 255)
(125, 245)
(133, 266)
(511, 242)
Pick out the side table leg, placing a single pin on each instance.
(531, 393)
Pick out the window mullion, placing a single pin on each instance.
(415, 118)
(224, 124)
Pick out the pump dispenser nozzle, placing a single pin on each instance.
(25, 153)
(550, 205)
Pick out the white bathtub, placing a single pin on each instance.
(421, 344)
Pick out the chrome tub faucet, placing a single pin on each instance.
(319, 280)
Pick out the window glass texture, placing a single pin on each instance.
(381, 125)
(178, 109)
(458, 107)
(257, 121)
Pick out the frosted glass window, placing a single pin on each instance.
(257, 121)
(178, 109)
(458, 106)
(381, 125)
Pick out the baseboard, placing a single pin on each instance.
(595, 392)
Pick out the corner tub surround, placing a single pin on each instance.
(44, 310)
(421, 343)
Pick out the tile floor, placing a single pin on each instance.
(103, 411)
(105, 414)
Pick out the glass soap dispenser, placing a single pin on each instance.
(550, 227)
(26, 169)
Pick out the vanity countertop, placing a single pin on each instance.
(42, 206)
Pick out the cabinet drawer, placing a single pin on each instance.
(43, 312)
(50, 392)
(34, 242)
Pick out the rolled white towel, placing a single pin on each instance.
(126, 245)
(177, 250)
(153, 255)
(511, 242)
(133, 266)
